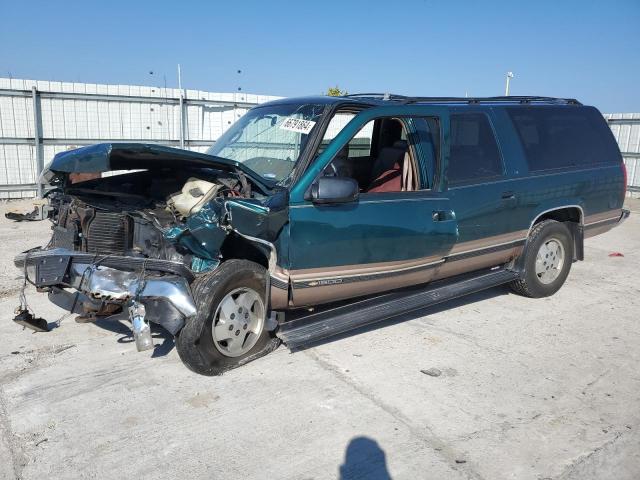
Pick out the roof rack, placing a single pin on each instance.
(463, 100)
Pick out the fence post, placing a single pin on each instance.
(37, 137)
(182, 119)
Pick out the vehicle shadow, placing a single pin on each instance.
(364, 459)
(457, 302)
(116, 325)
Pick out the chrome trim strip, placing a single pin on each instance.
(273, 256)
(277, 283)
(367, 276)
(361, 277)
(610, 219)
(380, 272)
(488, 247)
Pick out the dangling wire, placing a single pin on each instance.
(141, 280)
(23, 296)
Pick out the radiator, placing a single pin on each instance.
(108, 233)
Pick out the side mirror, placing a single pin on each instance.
(327, 190)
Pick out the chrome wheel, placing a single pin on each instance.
(549, 261)
(238, 322)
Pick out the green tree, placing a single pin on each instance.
(336, 92)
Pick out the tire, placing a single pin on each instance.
(196, 343)
(549, 238)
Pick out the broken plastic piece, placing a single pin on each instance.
(200, 265)
(194, 194)
(25, 318)
(616, 254)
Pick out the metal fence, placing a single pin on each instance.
(626, 129)
(39, 119)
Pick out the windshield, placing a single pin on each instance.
(269, 139)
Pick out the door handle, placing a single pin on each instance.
(508, 195)
(442, 215)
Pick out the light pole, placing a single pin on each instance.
(509, 77)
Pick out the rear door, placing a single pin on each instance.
(481, 194)
(379, 242)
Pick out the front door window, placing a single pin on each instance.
(382, 156)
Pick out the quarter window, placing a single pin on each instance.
(561, 137)
(474, 152)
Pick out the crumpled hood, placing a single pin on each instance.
(105, 157)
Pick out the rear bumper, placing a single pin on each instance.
(600, 225)
(624, 215)
(98, 282)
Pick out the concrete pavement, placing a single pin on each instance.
(529, 389)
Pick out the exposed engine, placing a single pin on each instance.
(145, 214)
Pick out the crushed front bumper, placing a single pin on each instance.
(161, 286)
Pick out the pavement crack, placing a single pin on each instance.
(595, 380)
(440, 447)
(6, 432)
(569, 469)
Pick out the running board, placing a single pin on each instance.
(332, 321)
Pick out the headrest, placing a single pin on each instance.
(402, 144)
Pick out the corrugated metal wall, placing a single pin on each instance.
(626, 129)
(76, 114)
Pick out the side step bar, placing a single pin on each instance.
(318, 325)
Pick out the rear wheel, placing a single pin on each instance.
(229, 329)
(547, 260)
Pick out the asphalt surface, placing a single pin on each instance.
(514, 388)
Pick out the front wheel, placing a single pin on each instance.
(229, 329)
(547, 260)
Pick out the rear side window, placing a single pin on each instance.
(562, 137)
(474, 152)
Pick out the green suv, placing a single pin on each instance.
(313, 216)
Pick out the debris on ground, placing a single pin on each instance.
(39, 212)
(432, 372)
(41, 441)
(616, 254)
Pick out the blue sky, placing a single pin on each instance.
(584, 49)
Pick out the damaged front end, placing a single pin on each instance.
(80, 283)
(129, 245)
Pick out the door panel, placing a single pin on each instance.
(484, 217)
(381, 242)
(482, 196)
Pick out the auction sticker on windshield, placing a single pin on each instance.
(297, 125)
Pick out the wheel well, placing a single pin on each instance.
(238, 247)
(565, 214)
(573, 215)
